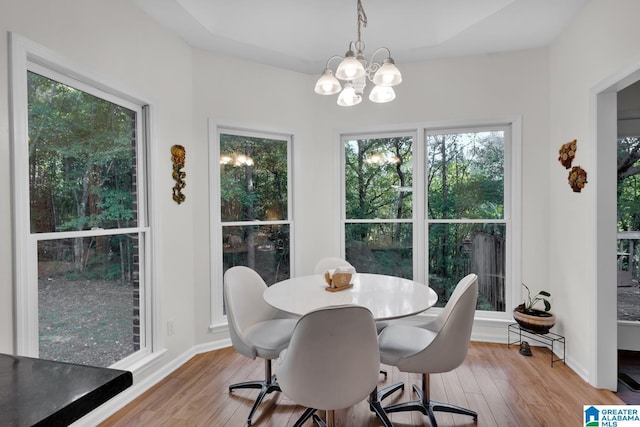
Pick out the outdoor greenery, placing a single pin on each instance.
(466, 175)
(80, 149)
(254, 187)
(379, 180)
(253, 178)
(629, 204)
(82, 178)
(628, 184)
(465, 180)
(81, 174)
(379, 177)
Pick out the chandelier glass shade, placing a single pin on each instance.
(354, 71)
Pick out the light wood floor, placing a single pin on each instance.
(504, 387)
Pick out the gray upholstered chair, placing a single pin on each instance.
(332, 360)
(256, 328)
(438, 346)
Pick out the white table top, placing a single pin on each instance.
(387, 297)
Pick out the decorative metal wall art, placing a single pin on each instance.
(178, 156)
(577, 178)
(568, 153)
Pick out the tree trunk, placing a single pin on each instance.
(401, 194)
(251, 215)
(444, 247)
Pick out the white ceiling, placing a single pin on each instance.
(301, 35)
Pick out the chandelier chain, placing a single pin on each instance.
(362, 19)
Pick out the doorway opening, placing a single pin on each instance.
(628, 242)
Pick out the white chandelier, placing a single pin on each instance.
(354, 70)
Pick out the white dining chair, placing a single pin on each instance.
(331, 263)
(332, 360)
(435, 347)
(256, 328)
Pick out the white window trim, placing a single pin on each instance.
(26, 55)
(512, 197)
(218, 321)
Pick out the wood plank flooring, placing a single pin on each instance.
(504, 387)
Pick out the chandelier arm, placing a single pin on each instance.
(373, 66)
(332, 58)
(371, 70)
(378, 50)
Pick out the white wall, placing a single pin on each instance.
(126, 48)
(600, 43)
(187, 87)
(235, 92)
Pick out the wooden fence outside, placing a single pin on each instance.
(488, 262)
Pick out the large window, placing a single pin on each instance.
(379, 217)
(254, 227)
(467, 229)
(433, 208)
(82, 238)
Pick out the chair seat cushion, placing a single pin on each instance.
(380, 325)
(398, 341)
(270, 337)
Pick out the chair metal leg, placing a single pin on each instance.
(318, 421)
(428, 407)
(305, 416)
(387, 391)
(375, 405)
(266, 386)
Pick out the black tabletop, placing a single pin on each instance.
(36, 392)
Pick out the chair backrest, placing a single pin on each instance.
(333, 360)
(243, 289)
(450, 344)
(330, 263)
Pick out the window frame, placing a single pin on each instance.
(218, 320)
(26, 56)
(512, 198)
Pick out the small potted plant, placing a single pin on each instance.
(532, 319)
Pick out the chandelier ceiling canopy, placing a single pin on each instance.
(354, 71)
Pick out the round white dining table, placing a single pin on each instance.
(387, 297)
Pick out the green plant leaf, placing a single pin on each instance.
(545, 293)
(547, 305)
